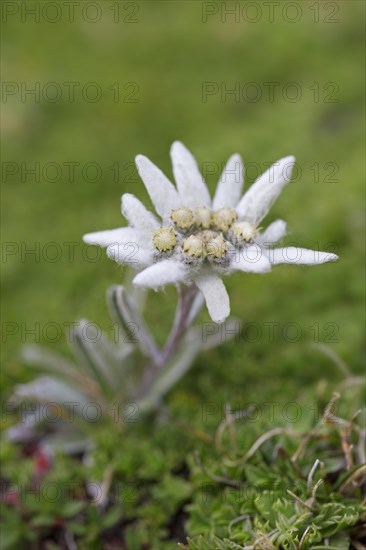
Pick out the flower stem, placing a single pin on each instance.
(186, 297)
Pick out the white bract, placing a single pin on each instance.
(196, 240)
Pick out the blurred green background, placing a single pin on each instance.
(159, 57)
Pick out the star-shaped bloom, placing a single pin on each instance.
(196, 240)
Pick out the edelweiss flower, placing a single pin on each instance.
(197, 240)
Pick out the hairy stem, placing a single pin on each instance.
(186, 297)
(185, 300)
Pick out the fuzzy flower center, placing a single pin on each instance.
(242, 231)
(202, 234)
(223, 218)
(182, 218)
(203, 217)
(164, 239)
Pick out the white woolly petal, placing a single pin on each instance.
(112, 236)
(162, 192)
(257, 201)
(229, 188)
(297, 255)
(274, 233)
(191, 186)
(216, 296)
(250, 259)
(137, 215)
(131, 253)
(162, 273)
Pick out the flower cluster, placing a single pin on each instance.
(196, 240)
(202, 234)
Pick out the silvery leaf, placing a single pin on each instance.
(97, 355)
(43, 359)
(126, 313)
(172, 373)
(46, 389)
